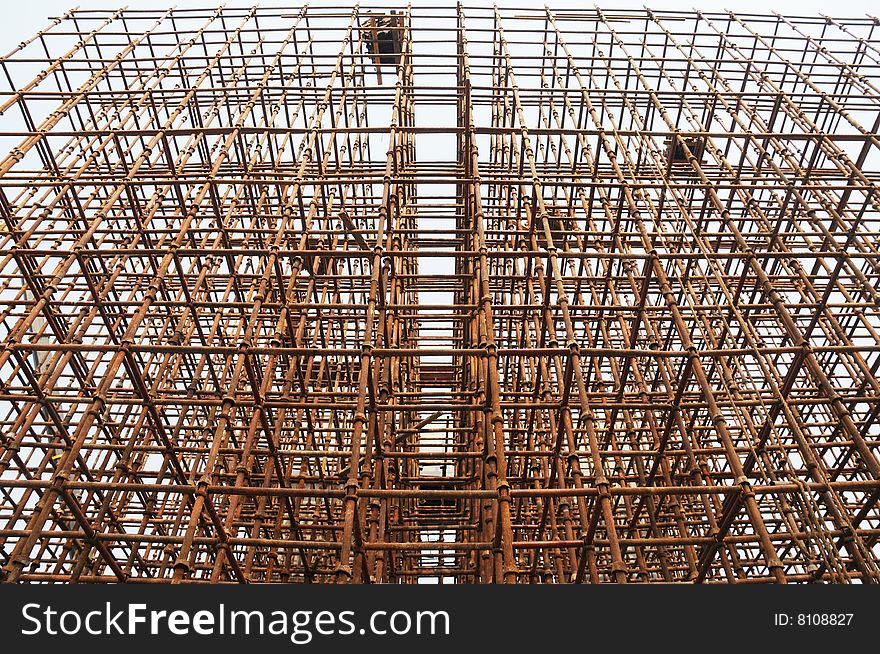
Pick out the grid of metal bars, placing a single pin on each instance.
(550, 297)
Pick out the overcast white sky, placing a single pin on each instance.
(21, 18)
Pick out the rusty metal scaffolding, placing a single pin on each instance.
(454, 294)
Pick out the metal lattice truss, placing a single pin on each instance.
(442, 295)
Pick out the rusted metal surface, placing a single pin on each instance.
(548, 297)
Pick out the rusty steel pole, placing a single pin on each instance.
(448, 294)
